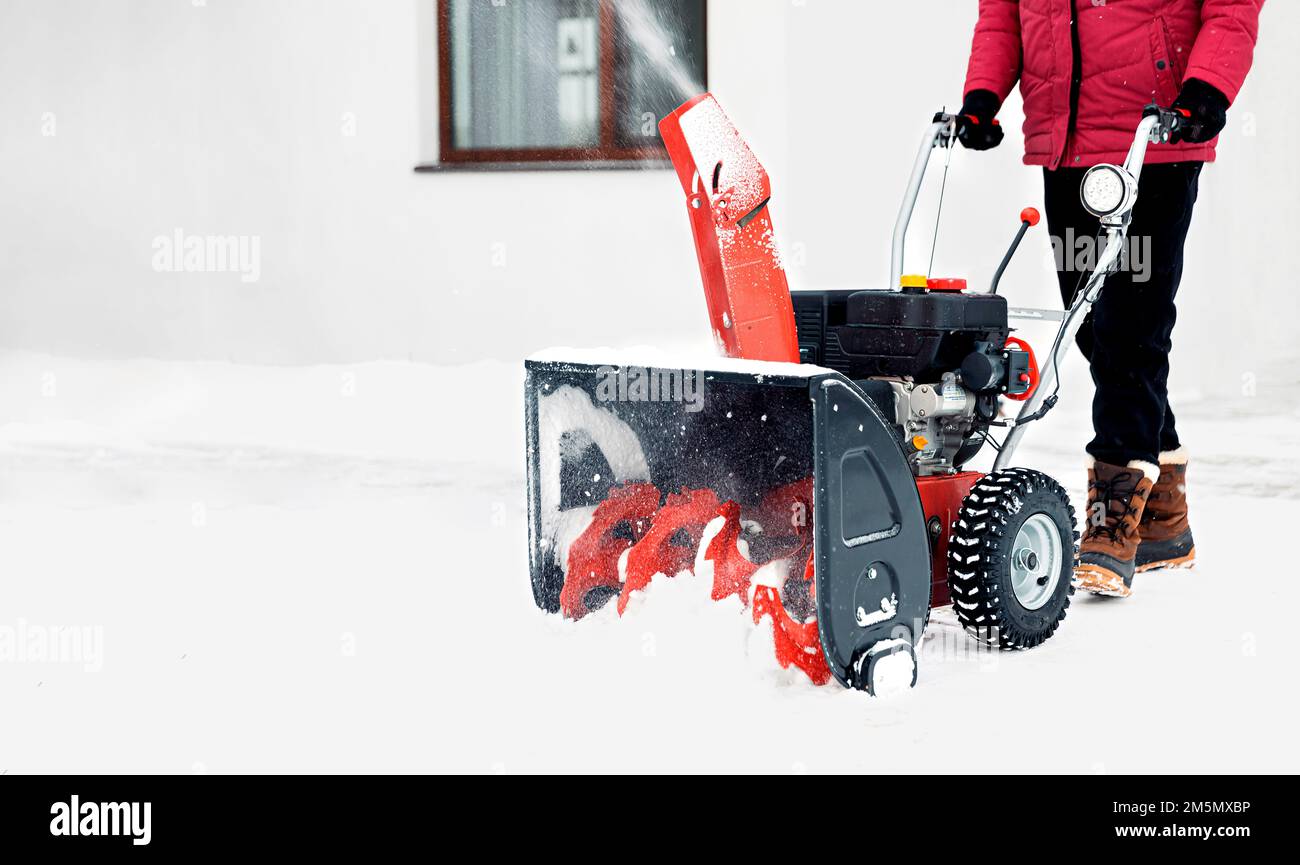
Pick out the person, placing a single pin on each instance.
(1086, 69)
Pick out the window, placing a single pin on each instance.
(561, 83)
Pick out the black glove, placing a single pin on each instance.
(976, 127)
(1207, 112)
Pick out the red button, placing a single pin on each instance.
(946, 284)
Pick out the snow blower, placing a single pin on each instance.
(817, 471)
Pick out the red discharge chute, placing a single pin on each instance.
(727, 192)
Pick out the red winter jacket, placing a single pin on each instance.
(1129, 53)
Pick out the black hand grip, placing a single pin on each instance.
(1171, 120)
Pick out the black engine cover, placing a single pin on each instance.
(912, 333)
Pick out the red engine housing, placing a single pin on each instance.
(941, 498)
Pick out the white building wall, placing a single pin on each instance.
(300, 122)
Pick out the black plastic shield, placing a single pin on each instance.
(872, 551)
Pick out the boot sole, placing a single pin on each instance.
(1100, 581)
(1182, 562)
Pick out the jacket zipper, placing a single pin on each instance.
(1076, 77)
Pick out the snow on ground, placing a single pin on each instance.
(324, 569)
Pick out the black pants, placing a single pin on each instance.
(1126, 337)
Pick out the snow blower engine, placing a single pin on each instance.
(817, 471)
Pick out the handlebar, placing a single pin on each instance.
(942, 132)
(1157, 127)
(1169, 121)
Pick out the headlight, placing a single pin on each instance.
(1106, 189)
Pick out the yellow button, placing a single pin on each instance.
(913, 280)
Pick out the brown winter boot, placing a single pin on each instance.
(1166, 537)
(1117, 496)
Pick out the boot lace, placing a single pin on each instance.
(1119, 489)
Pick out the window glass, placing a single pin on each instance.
(525, 74)
(659, 50)
(565, 79)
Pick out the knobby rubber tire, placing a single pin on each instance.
(980, 551)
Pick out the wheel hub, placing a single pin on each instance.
(1036, 561)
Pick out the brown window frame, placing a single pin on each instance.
(605, 155)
